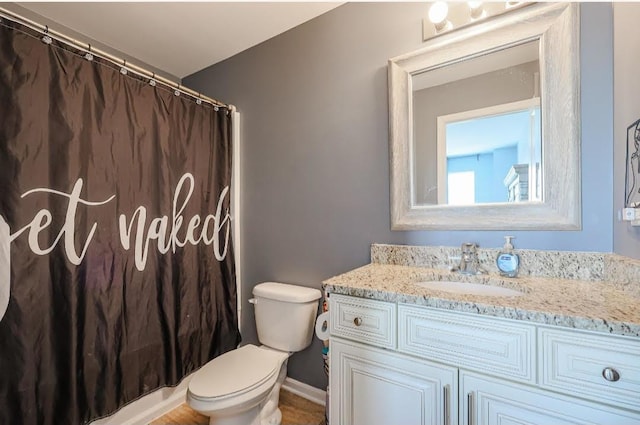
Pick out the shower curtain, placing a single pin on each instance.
(116, 264)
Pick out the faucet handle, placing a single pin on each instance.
(469, 263)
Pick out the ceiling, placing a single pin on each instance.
(179, 38)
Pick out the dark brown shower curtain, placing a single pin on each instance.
(121, 268)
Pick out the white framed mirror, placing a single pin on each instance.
(485, 125)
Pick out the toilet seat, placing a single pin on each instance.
(236, 372)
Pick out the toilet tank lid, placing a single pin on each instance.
(286, 292)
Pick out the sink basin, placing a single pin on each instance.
(470, 288)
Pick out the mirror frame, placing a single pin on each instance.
(557, 25)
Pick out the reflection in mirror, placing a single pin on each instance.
(499, 146)
(479, 117)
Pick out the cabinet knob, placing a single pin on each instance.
(610, 374)
(357, 321)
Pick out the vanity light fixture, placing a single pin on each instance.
(445, 17)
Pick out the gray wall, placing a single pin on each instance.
(315, 149)
(626, 111)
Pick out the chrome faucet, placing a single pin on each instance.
(469, 263)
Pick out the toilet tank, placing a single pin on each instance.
(285, 315)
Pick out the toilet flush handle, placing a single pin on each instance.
(253, 301)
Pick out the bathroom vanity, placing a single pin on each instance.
(565, 350)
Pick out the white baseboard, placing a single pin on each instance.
(164, 400)
(149, 407)
(305, 391)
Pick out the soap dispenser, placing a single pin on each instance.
(507, 261)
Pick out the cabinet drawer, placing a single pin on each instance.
(575, 362)
(368, 321)
(495, 346)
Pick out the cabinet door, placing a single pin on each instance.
(489, 401)
(369, 386)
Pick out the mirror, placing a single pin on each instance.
(484, 125)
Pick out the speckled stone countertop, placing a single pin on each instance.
(594, 305)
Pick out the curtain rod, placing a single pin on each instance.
(45, 30)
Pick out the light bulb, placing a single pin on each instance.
(438, 12)
(476, 11)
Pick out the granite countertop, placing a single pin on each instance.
(588, 305)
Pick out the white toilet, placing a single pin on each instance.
(242, 386)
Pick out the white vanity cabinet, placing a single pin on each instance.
(405, 364)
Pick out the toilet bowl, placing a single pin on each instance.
(233, 389)
(242, 386)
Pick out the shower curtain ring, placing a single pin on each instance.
(123, 69)
(45, 38)
(152, 81)
(88, 56)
